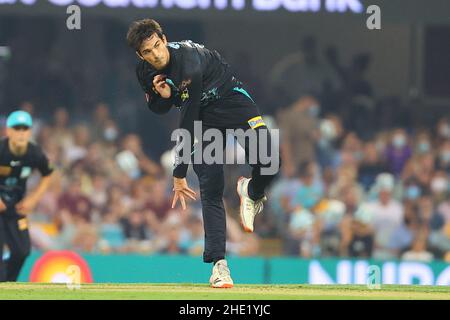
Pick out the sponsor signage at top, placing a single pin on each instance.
(332, 6)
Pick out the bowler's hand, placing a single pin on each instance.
(159, 82)
(26, 206)
(181, 189)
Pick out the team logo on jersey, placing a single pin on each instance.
(173, 45)
(14, 163)
(184, 90)
(256, 122)
(5, 170)
(25, 173)
(184, 95)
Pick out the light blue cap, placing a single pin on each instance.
(19, 118)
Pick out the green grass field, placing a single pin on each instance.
(22, 291)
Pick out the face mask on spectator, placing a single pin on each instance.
(327, 129)
(358, 155)
(445, 130)
(445, 157)
(380, 145)
(439, 184)
(399, 141)
(412, 192)
(314, 111)
(110, 134)
(128, 162)
(423, 147)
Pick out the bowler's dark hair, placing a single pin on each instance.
(141, 30)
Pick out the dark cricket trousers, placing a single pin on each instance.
(14, 233)
(234, 113)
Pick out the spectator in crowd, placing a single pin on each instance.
(60, 130)
(74, 202)
(346, 180)
(170, 236)
(132, 148)
(418, 250)
(102, 202)
(310, 190)
(371, 166)
(420, 168)
(78, 149)
(158, 201)
(192, 242)
(443, 158)
(398, 152)
(390, 234)
(303, 73)
(330, 134)
(112, 236)
(439, 187)
(303, 234)
(422, 142)
(135, 229)
(330, 214)
(299, 123)
(358, 232)
(442, 132)
(240, 243)
(100, 119)
(86, 238)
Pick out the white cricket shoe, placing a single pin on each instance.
(248, 208)
(221, 277)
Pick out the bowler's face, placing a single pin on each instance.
(154, 51)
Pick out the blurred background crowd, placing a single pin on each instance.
(363, 175)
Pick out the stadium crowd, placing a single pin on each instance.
(337, 194)
(361, 176)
